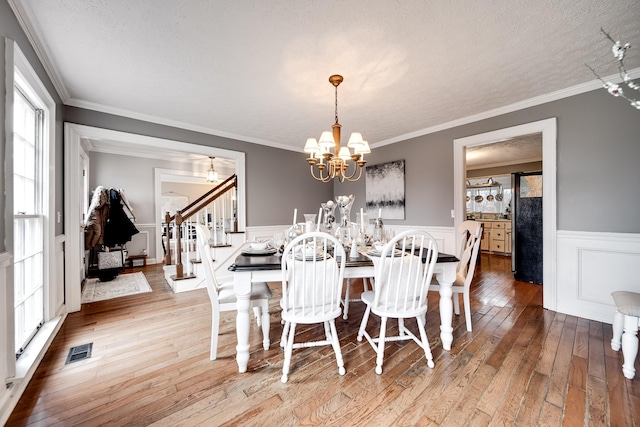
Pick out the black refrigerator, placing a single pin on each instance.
(526, 247)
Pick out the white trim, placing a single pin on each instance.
(27, 364)
(35, 38)
(591, 265)
(175, 123)
(73, 135)
(29, 79)
(549, 135)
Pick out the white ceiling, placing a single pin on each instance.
(257, 70)
(523, 149)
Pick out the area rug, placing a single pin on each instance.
(122, 285)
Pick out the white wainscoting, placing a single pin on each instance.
(145, 241)
(590, 267)
(7, 353)
(445, 236)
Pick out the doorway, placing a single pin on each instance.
(548, 129)
(73, 136)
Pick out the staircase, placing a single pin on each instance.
(216, 210)
(223, 257)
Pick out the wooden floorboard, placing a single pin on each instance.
(521, 365)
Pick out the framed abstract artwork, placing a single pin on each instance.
(385, 190)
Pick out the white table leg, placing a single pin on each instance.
(242, 286)
(446, 277)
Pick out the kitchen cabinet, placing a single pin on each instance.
(486, 236)
(496, 237)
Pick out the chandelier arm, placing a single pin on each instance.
(320, 177)
(350, 178)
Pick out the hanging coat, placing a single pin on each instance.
(119, 228)
(96, 218)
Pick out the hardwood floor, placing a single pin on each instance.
(522, 365)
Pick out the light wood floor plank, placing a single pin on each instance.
(521, 365)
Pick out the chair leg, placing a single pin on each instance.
(327, 331)
(467, 309)
(456, 303)
(425, 341)
(215, 327)
(335, 342)
(258, 315)
(266, 324)
(287, 352)
(401, 328)
(366, 286)
(380, 350)
(363, 324)
(629, 346)
(618, 325)
(285, 331)
(345, 301)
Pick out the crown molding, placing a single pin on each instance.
(174, 123)
(41, 49)
(538, 100)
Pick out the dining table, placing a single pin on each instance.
(250, 268)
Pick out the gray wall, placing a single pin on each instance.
(277, 180)
(598, 153)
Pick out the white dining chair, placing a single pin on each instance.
(311, 291)
(470, 232)
(403, 272)
(626, 324)
(223, 297)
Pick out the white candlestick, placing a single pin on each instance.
(380, 213)
(295, 216)
(319, 216)
(362, 219)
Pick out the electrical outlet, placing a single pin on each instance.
(453, 213)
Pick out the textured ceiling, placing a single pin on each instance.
(258, 71)
(524, 149)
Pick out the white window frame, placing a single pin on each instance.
(34, 217)
(19, 69)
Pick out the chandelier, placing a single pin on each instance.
(212, 175)
(327, 159)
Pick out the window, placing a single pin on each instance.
(28, 238)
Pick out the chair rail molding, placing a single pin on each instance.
(591, 265)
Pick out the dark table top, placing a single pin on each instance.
(274, 262)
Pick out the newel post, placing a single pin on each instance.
(167, 252)
(179, 267)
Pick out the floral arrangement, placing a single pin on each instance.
(619, 51)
